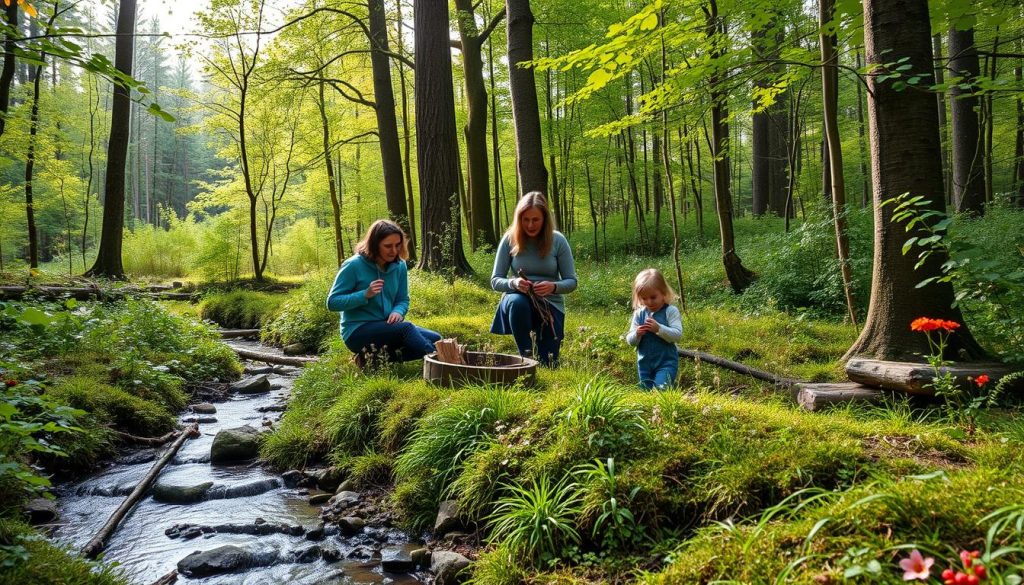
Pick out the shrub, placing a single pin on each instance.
(537, 521)
(303, 317)
(28, 557)
(113, 406)
(240, 309)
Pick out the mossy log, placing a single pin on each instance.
(737, 367)
(273, 358)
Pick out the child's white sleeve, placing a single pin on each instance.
(631, 336)
(672, 332)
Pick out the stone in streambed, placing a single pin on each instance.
(199, 419)
(204, 408)
(235, 445)
(252, 385)
(181, 494)
(308, 555)
(291, 478)
(398, 559)
(351, 525)
(447, 566)
(224, 559)
(447, 518)
(294, 349)
(319, 499)
(329, 479)
(41, 511)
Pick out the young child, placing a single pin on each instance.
(654, 329)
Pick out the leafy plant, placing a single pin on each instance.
(538, 521)
(615, 527)
(601, 413)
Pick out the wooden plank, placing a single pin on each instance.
(916, 377)
(815, 397)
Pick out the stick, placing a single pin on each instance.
(737, 367)
(168, 579)
(98, 542)
(542, 305)
(148, 441)
(273, 358)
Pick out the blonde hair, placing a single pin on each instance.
(652, 279)
(369, 246)
(517, 236)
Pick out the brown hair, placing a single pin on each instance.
(369, 246)
(652, 279)
(517, 236)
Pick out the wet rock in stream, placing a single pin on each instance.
(235, 445)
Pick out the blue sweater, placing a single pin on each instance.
(557, 267)
(348, 295)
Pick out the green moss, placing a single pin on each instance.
(34, 560)
(114, 406)
(241, 309)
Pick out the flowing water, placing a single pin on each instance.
(240, 495)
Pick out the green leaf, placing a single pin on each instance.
(33, 316)
(156, 110)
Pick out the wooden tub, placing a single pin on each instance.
(501, 369)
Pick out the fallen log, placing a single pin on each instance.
(273, 358)
(86, 293)
(168, 579)
(98, 542)
(147, 441)
(233, 333)
(737, 367)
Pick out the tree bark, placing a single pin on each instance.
(7, 74)
(1019, 147)
(968, 170)
(407, 142)
(436, 142)
(475, 131)
(940, 100)
(830, 103)
(739, 276)
(108, 259)
(905, 159)
(865, 177)
(339, 244)
(387, 126)
(525, 111)
(30, 159)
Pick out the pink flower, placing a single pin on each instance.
(916, 567)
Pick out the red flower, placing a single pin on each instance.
(925, 324)
(11, 383)
(981, 380)
(949, 326)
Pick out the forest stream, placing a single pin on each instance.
(281, 536)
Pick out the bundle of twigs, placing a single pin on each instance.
(540, 304)
(451, 351)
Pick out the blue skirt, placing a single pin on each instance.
(502, 324)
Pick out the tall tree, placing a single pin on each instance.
(471, 46)
(905, 159)
(830, 101)
(30, 158)
(108, 258)
(968, 170)
(714, 29)
(533, 176)
(1018, 151)
(7, 74)
(437, 147)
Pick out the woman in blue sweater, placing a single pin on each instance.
(372, 293)
(541, 261)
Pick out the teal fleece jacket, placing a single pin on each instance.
(348, 295)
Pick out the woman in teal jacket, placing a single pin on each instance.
(372, 293)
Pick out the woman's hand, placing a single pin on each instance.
(395, 317)
(652, 325)
(521, 284)
(543, 288)
(375, 288)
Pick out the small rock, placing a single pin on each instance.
(254, 385)
(138, 457)
(41, 511)
(224, 559)
(181, 494)
(447, 566)
(235, 445)
(259, 521)
(319, 499)
(397, 559)
(192, 532)
(361, 552)
(199, 419)
(204, 408)
(347, 486)
(308, 555)
(329, 479)
(315, 533)
(345, 499)
(294, 349)
(330, 554)
(351, 525)
(291, 478)
(272, 408)
(447, 518)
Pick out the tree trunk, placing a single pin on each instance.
(865, 178)
(830, 102)
(989, 124)
(437, 146)
(406, 137)
(339, 245)
(739, 277)
(387, 126)
(940, 99)
(905, 159)
(108, 258)
(760, 131)
(968, 170)
(495, 147)
(30, 162)
(7, 75)
(475, 130)
(525, 111)
(1019, 148)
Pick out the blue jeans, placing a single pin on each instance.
(401, 341)
(516, 315)
(662, 377)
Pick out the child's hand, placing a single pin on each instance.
(652, 325)
(543, 288)
(641, 330)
